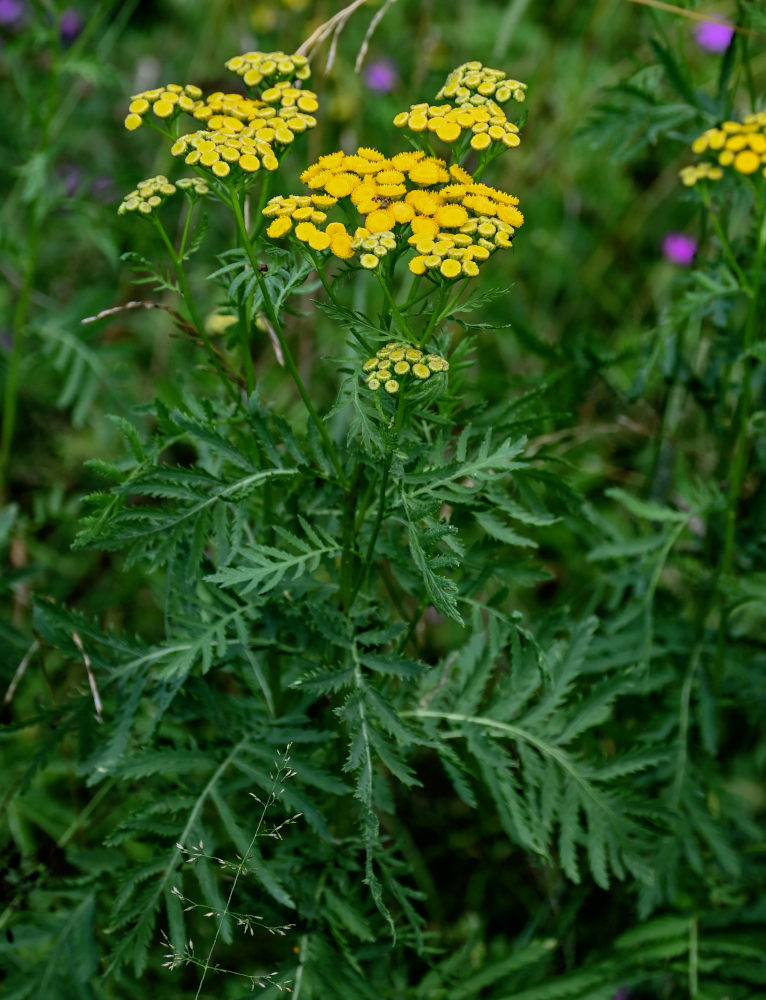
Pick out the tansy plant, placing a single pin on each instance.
(347, 581)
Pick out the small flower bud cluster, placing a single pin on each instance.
(241, 133)
(257, 67)
(740, 145)
(287, 97)
(453, 255)
(472, 80)
(297, 207)
(153, 192)
(699, 172)
(486, 123)
(222, 149)
(164, 102)
(193, 187)
(399, 360)
(373, 246)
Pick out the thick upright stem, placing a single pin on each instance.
(191, 308)
(10, 395)
(741, 422)
(289, 362)
(742, 416)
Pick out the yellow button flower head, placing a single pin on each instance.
(739, 145)
(225, 149)
(380, 221)
(406, 362)
(485, 123)
(429, 171)
(279, 227)
(164, 102)
(267, 68)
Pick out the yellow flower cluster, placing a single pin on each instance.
(224, 148)
(294, 111)
(473, 81)
(375, 246)
(486, 123)
(240, 131)
(740, 145)
(255, 67)
(165, 102)
(453, 222)
(154, 191)
(306, 212)
(399, 360)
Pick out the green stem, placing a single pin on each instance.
(412, 626)
(247, 357)
(743, 408)
(744, 42)
(288, 358)
(191, 308)
(361, 513)
(335, 300)
(19, 329)
(185, 233)
(390, 449)
(402, 323)
(693, 958)
(725, 245)
(378, 521)
(741, 421)
(436, 315)
(260, 218)
(349, 556)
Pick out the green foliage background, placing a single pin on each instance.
(563, 796)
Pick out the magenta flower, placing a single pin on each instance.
(679, 249)
(70, 25)
(381, 76)
(712, 36)
(12, 12)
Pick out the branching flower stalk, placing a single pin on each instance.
(737, 151)
(198, 322)
(287, 354)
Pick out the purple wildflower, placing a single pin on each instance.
(103, 188)
(12, 13)
(381, 76)
(70, 25)
(712, 36)
(679, 249)
(70, 177)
